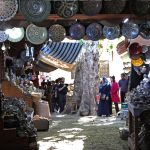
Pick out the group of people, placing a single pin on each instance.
(109, 93)
(55, 93)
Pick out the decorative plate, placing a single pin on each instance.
(137, 62)
(91, 7)
(66, 8)
(15, 34)
(3, 36)
(36, 35)
(111, 33)
(130, 30)
(114, 6)
(77, 31)
(8, 9)
(57, 33)
(35, 10)
(140, 7)
(145, 30)
(94, 31)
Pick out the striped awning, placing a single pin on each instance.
(64, 51)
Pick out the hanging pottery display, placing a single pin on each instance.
(15, 34)
(111, 33)
(57, 33)
(91, 7)
(36, 35)
(66, 8)
(8, 9)
(94, 31)
(77, 31)
(3, 36)
(137, 62)
(114, 6)
(145, 30)
(35, 10)
(130, 30)
(140, 7)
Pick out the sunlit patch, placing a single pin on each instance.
(72, 129)
(62, 145)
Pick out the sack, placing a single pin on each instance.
(103, 96)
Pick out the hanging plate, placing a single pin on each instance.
(145, 30)
(130, 30)
(15, 34)
(77, 31)
(111, 33)
(3, 36)
(137, 62)
(35, 10)
(57, 33)
(36, 35)
(66, 8)
(91, 7)
(94, 31)
(8, 9)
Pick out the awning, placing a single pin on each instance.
(63, 51)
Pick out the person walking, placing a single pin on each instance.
(104, 91)
(114, 93)
(123, 84)
(62, 91)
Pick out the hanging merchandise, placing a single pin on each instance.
(8, 9)
(145, 30)
(111, 33)
(66, 8)
(140, 7)
(94, 31)
(137, 62)
(130, 30)
(77, 31)
(15, 34)
(35, 10)
(3, 36)
(114, 6)
(91, 7)
(57, 33)
(36, 35)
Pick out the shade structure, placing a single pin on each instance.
(62, 51)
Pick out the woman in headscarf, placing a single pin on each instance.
(104, 90)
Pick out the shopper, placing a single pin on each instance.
(123, 84)
(114, 93)
(104, 90)
(62, 91)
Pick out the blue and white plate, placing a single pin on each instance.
(3, 36)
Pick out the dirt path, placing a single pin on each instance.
(82, 133)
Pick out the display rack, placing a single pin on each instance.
(134, 125)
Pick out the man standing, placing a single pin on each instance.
(123, 84)
(62, 91)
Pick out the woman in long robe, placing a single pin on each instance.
(104, 90)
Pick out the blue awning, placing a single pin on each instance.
(63, 51)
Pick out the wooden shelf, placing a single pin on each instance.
(83, 17)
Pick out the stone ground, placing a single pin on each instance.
(70, 132)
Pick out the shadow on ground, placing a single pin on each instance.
(82, 133)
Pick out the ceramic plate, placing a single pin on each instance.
(3, 36)
(145, 30)
(35, 10)
(57, 33)
(66, 8)
(137, 62)
(8, 9)
(77, 31)
(91, 7)
(114, 6)
(15, 34)
(36, 35)
(130, 30)
(94, 31)
(111, 33)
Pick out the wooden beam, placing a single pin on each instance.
(83, 17)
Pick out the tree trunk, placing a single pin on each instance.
(86, 80)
